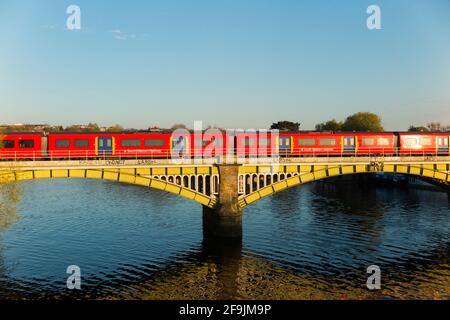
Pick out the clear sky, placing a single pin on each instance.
(233, 63)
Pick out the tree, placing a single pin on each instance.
(436, 126)
(417, 129)
(432, 126)
(363, 121)
(331, 125)
(92, 127)
(178, 126)
(285, 126)
(115, 128)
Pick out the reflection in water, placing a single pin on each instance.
(310, 242)
(10, 194)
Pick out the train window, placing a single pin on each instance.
(410, 142)
(349, 141)
(248, 142)
(6, 144)
(26, 143)
(130, 143)
(154, 142)
(81, 143)
(284, 141)
(368, 141)
(218, 142)
(384, 141)
(327, 142)
(306, 142)
(199, 142)
(442, 141)
(425, 141)
(62, 143)
(264, 142)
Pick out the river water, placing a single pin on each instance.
(311, 242)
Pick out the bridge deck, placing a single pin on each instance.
(142, 163)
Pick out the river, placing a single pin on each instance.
(311, 242)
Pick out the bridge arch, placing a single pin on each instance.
(167, 184)
(437, 175)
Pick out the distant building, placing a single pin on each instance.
(155, 129)
(25, 127)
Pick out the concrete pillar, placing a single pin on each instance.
(226, 219)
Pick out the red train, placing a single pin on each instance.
(161, 145)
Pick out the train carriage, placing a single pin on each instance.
(71, 145)
(376, 144)
(98, 145)
(138, 145)
(21, 146)
(209, 144)
(424, 143)
(253, 143)
(165, 145)
(333, 144)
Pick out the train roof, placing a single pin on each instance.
(190, 131)
(11, 133)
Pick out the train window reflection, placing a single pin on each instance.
(62, 143)
(425, 141)
(26, 143)
(154, 142)
(410, 142)
(306, 142)
(130, 143)
(264, 142)
(81, 143)
(383, 141)
(249, 142)
(368, 141)
(6, 144)
(327, 142)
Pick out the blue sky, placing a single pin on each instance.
(235, 63)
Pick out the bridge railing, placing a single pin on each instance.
(378, 153)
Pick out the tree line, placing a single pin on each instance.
(358, 122)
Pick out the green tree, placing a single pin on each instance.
(418, 129)
(285, 126)
(363, 121)
(331, 125)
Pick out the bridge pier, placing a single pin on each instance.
(225, 220)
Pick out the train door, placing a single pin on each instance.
(284, 145)
(349, 144)
(443, 145)
(105, 146)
